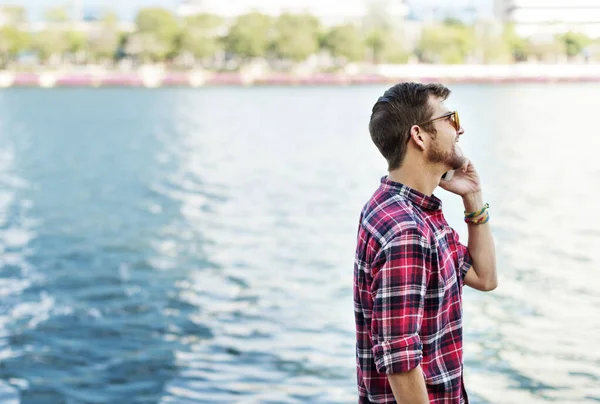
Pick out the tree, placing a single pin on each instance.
(345, 41)
(55, 41)
(75, 42)
(250, 35)
(490, 44)
(386, 46)
(450, 44)
(157, 30)
(109, 18)
(574, 42)
(376, 42)
(378, 18)
(453, 22)
(12, 42)
(549, 51)
(122, 46)
(147, 48)
(56, 15)
(199, 35)
(49, 43)
(296, 36)
(382, 33)
(394, 51)
(103, 43)
(518, 46)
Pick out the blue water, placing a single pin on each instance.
(196, 246)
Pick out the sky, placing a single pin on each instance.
(127, 8)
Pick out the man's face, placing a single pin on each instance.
(443, 148)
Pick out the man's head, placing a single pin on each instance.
(404, 120)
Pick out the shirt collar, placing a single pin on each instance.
(426, 202)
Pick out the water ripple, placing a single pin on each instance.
(156, 250)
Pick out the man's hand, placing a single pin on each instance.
(464, 182)
(482, 275)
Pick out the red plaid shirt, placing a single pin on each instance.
(408, 276)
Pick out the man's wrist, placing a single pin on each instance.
(473, 202)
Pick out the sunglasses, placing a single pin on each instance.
(454, 119)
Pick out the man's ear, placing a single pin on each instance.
(417, 136)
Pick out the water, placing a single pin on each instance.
(187, 246)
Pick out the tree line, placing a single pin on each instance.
(211, 41)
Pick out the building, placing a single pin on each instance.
(12, 15)
(330, 12)
(546, 18)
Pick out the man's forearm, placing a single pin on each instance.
(409, 387)
(481, 245)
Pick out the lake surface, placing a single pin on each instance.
(196, 246)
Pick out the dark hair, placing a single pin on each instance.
(401, 107)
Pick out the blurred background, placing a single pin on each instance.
(190, 42)
(193, 242)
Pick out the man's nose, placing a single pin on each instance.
(461, 130)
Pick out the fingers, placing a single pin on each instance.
(465, 166)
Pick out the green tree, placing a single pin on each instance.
(296, 36)
(395, 51)
(381, 31)
(518, 46)
(75, 42)
(54, 41)
(574, 42)
(386, 46)
(103, 43)
(376, 43)
(345, 41)
(490, 44)
(49, 43)
(378, 17)
(147, 48)
(547, 51)
(453, 22)
(12, 42)
(57, 14)
(156, 33)
(250, 35)
(109, 18)
(123, 45)
(200, 35)
(450, 44)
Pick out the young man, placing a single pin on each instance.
(410, 266)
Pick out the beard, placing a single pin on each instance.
(453, 158)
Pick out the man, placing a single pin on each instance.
(410, 266)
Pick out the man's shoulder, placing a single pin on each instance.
(387, 215)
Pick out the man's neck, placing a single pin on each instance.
(419, 177)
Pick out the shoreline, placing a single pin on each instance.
(156, 77)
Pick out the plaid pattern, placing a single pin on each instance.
(408, 276)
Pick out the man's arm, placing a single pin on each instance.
(409, 387)
(482, 275)
(402, 269)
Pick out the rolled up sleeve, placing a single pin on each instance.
(398, 289)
